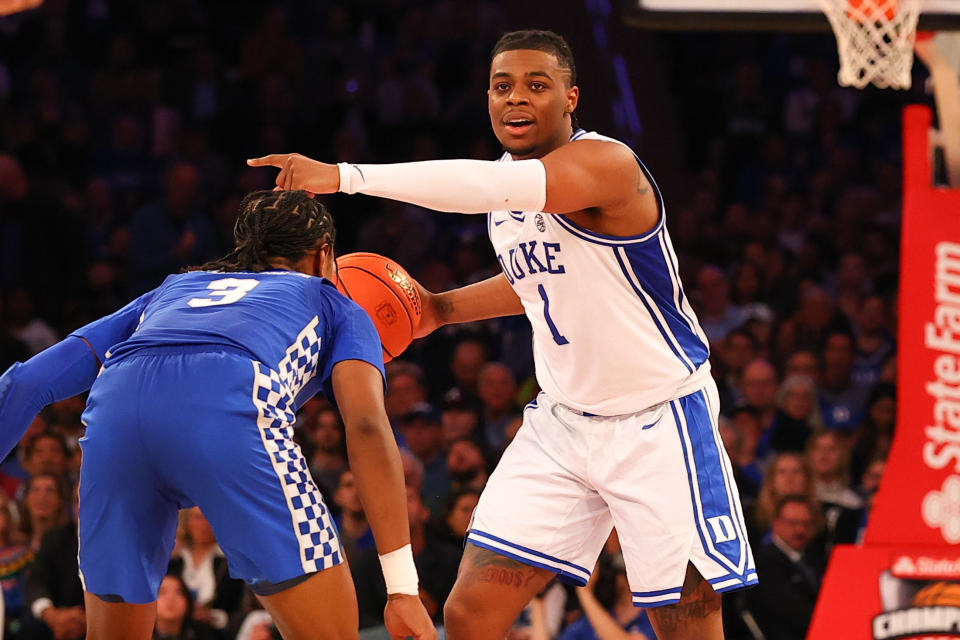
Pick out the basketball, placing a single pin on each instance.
(386, 292)
(943, 594)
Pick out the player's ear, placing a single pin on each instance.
(573, 99)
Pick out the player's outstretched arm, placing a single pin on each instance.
(375, 461)
(61, 371)
(490, 298)
(579, 175)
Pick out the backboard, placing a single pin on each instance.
(762, 15)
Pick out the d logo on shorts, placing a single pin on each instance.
(722, 528)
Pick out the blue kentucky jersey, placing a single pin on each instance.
(296, 325)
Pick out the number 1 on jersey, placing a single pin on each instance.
(557, 336)
(227, 290)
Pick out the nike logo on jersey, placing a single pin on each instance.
(529, 258)
(498, 223)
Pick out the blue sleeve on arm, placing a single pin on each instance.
(64, 370)
(116, 327)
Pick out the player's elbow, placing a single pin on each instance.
(366, 426)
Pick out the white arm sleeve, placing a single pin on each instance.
(461, 186)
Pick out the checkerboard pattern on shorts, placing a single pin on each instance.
(274, 393)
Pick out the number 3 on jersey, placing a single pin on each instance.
(557, 336)
(229, 291)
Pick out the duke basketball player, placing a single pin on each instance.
(624, 433)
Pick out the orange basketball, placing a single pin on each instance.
(387, 293)
(945, 594)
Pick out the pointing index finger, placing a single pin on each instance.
(272, 160)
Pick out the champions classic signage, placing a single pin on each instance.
(904, 582)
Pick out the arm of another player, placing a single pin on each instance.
(64, 370)
(490, 298)
(375, 461)
(61, 371)
(580, 175)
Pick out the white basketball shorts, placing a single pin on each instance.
(661, 477)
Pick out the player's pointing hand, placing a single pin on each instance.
(300, 172)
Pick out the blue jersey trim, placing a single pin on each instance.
(708, 502)
(651, 268)
(564, 575)
(528, 550)
(661, 592)
(728, 477)
(600, 238)
(653, 316)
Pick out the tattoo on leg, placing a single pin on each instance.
(485, 566)
(698, 601)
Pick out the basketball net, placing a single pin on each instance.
(875, 40)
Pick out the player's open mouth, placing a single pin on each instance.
(518, 126)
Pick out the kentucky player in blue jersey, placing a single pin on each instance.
(194, 405)
(624, 432)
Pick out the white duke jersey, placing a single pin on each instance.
(613, 332)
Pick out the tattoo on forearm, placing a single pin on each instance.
(442, 308)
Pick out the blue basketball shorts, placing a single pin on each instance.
(167, 430)
(660, 476)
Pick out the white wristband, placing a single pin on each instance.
(399, 571)
(462, 186)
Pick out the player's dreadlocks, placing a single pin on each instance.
(275, 224)
(540, 40)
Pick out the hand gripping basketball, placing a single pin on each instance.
(387, 293)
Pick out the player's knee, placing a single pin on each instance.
(455, 613)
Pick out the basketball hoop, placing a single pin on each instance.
(875, 40)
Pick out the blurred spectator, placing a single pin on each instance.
(467, 466)
(802, 363)
(457, 512)
(841, 505)
(875, 434)
(23, 323)
(412, 470)
(328, 459)
(607, 603)
(874, 344)
(169, 233)
(436, 559)
(737, 350)
(468, 359)
(741, 446)
(717, 314)
(496, 388)
(53, 592)
(200, 563)
(759, 388)
(797, 416)
(15, 558)
(458, 418)
(784, 608)
(788, 473)
(406, 385)
(46, 453)
(352, 525)
(174, 613)
(423, 435)
(44, 507)
(842, 401)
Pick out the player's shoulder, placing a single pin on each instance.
(593, 137)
